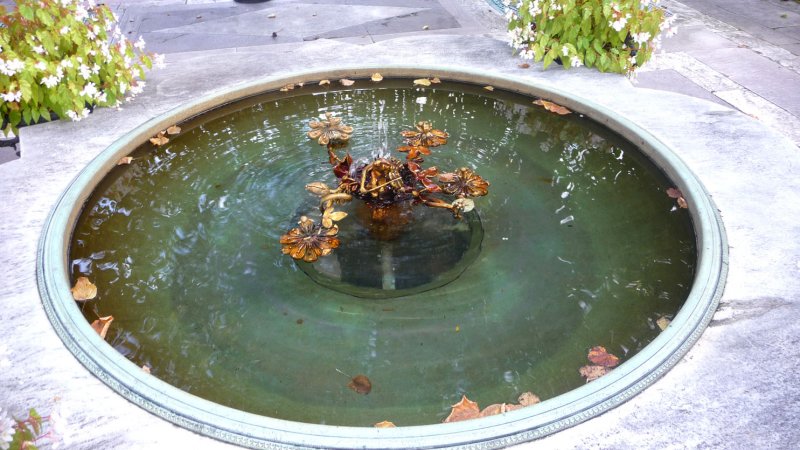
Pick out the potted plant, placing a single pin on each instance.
(61, 58)
(611, 35)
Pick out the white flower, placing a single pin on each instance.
(95, 69)
(76, 117)
(139, 43)
(41, 65)
(84, 71)
(50, 81)
(122, 87)
(565, 50)
(641, 38)
(101, 97)
(11, 67)
(60, 432)
(158, 61)
(64, 30)
(618, 24)
(138, 88)
(66, 63)
(81, 13)
(89, 90)
(90, 34)
(39, 49)
(9, 97)
(7, 430)
(575, 62)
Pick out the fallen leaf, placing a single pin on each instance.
(662, 323)
(287, 88)
(435, 80)
(125, 160)
(592, 373)
(528, 399)
(425, 27)
(101, 325)
(159, 139)
(466, 409)
(146, 369)
(489, 88)
(524, 66)
(83, 290)
(682, 203)
(552, 107)
(324, 82)
(376, 77)
(174, 129)
(600, 356)
(271, 16)
(301, 84)
(360, 384)
(346, 82)
(674, 193)
(422, 82)
(493, 410)
(385, 424)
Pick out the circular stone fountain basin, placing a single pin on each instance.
(576, 245)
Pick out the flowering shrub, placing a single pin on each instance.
(65, 57)
(32, 431)
(611, 35)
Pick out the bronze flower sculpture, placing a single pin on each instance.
(386, 185)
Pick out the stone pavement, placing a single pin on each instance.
(737, 388)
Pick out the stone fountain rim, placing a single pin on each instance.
(251, 430)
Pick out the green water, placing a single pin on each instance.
(580, 247)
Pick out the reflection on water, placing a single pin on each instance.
(581, 247)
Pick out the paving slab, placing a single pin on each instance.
(762, 76)
(672, 81)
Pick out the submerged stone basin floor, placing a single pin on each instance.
(736, 388)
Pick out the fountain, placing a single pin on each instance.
(585, 270)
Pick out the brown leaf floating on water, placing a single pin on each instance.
(102, 324)
(376, 77)
(489, 88)
(435, 80)
(385, 424)
(466, 409)
(528, 399)
(159, 139)
(324, 82)
(682, 203)
(174, 129)
(592, 373)
(125, 160)
(346, 82)
(493, 410)
(674, 193)
(662, 323)
(422, 82)
(287, 88)
(360, 384)
(600, 356)
(146, 369)
(552, 107)
(83, 290)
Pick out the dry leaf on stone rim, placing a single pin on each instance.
(489, 88)
(360, 384)
(376, 77)
(125, 160)
(422, 82)
(174, 129)
(346, 82)
(324, 82)
(145, 369)
(524, 66)
(83, 290)
(101, 325)
(287, 88)
(466, 409)
(385, 424)
(662, 323)
(552, 107)
(435, 80)
(600, 356)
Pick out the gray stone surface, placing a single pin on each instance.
(736, 389)
(672, 81)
